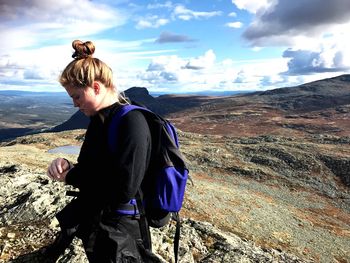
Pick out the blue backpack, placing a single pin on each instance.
(164, 184)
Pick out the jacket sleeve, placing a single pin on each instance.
(132, 156)
(73, 177)
(116, 176)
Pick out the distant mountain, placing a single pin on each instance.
(24, 112)
(31, 112)
(319, 107)
(317, 95)
(80, 121)
(162, 105)
(77, 121)
(204, 93)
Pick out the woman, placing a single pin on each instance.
(106, 180)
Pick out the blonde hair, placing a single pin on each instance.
(85, 69)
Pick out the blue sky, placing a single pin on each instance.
(177, 46)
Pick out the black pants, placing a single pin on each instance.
(107, 237)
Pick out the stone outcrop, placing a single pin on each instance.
(29, 202)
(339, 166)
(260, 199)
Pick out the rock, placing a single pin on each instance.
(31, 209)
(9, 169)
(262, 199)
(339, 166)
(11, 235)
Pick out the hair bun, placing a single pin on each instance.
(82, 49)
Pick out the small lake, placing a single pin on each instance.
(66, 149)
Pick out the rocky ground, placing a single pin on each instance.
(256, 199)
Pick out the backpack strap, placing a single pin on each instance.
(140, 209)
(135, 206)
(144, 227)
(176, 216)
(116, 119)
(129, 208)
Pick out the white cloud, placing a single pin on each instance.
(256, 49)
(175, 74)
(314, 33)
(167, 63)
(33, 33)
(151, 22)
(252, 6)
(42, 65)
(109, 46)
(202, 62)
(167, 4)
(232, 14)
(253, 74)
(35, 48)
(186, 14)
(64, 12)
(331, 54)
(16, 38)
(58, 22)
(234, 24)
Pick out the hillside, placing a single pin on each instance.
(256, 199)
(29, 112)
(314, 108)
(270, 172)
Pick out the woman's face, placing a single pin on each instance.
(85, 99)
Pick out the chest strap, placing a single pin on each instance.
(129, 208)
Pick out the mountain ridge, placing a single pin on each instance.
(301, 99)
(307, 103)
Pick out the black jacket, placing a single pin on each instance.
(110, 179)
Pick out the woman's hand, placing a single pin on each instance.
(58, 169)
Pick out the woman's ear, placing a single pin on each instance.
(97, 87)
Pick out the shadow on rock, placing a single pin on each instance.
(33, 257)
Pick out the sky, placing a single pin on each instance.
(177, 46)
